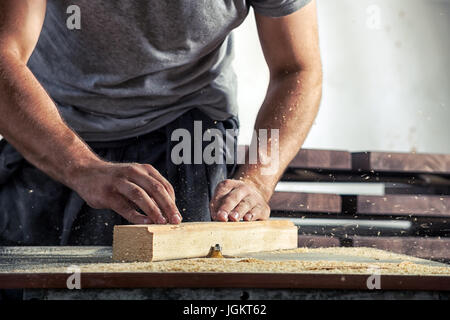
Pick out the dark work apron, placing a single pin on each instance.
(36, 210)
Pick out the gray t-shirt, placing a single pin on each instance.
(135, 66)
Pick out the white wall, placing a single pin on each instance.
(384, 89)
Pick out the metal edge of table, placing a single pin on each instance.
(224, 280)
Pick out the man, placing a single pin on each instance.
(88, 112)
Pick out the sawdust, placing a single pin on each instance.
(249, 265)
(390, 263)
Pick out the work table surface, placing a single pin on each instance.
(328, 268)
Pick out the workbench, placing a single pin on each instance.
(43, 273)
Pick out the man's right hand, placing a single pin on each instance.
(31, 122)
(125, 188)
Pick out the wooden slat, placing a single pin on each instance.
(426, 248)
(317, 241)
(223, 280)
(312, 159)
(401, 162)
(430, 206)
(322, 159)
(305, 202)
(404, 205)
(195, 239)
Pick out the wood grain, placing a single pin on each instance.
(305, 202)
(311, 159)
(195, 239)
(401, 162)
(308, 241)
(322, 159)
(224, 280)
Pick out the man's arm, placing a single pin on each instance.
(291, 49)
(31, 122)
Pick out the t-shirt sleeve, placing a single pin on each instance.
(277, 8)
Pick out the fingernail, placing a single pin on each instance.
(223, 214)
(147, 221)
(176, 219)
(249, 217)
(235, 215)
(162, 220)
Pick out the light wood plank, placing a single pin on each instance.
(195, 239)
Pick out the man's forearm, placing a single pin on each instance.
(291, 105)
(31, 122)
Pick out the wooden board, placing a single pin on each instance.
(312, 159)
(219, 280)
(404, 205)
(401, 162)
(224, 280)
(425, 248)
(195, 239)
(305, 202)
(309, 241)
(322, 159)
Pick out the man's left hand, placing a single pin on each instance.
(236, 200)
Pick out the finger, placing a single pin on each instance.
(222, 189)
(143, 171)
(126, 210)
(158, 176)
(257, 213)
(159, 193)
(218, 216)
(141, 199)
(231, 200)
(242, 208)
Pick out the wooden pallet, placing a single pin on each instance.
(417, 191)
